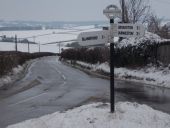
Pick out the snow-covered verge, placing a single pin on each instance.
(97, 115)
(7, 79)
(15, 74)
(149, 74)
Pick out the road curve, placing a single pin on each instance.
(51, 86)
(48, 86)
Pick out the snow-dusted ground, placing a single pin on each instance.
(97, 115)
(53, 35)
(149, 75)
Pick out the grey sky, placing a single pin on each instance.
(66, 10)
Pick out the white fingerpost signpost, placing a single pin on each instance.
(118, 30)
(126, 30)
(112, 12)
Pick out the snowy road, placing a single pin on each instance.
(50, 86)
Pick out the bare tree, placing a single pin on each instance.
(155, 26)
(165, 32)
(135, 10)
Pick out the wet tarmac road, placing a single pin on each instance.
(50, 86)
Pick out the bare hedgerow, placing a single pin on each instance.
(9, 60)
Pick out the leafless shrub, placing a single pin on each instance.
(135, 11)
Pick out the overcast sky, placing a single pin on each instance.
(66, 10)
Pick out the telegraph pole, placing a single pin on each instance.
(59, 46)
(123, 15)
(39, 47)
(28, 47)
(16, 43)
(123, 11)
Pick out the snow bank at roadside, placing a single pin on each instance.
(11, 76)
(149, 75)
(97, 115)
(94, 67)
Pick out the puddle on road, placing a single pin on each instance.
(138, 92)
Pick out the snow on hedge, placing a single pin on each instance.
(97, 115)
(148, 37)
(149, 74)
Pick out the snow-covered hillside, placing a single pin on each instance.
(97, 115)
(43, 36)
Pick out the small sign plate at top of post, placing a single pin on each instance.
(112, 11)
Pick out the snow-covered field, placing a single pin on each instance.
(97, 115)
(33, 47)
(43, 36)
(149, 75)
